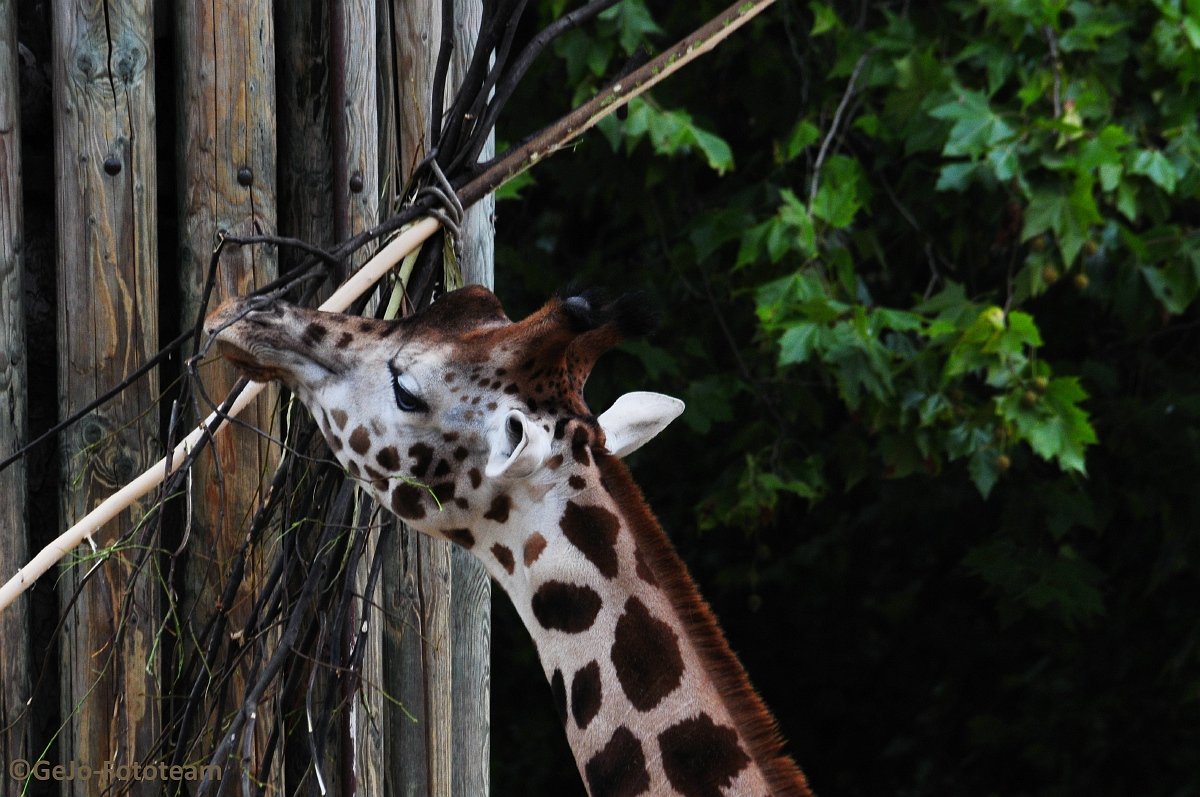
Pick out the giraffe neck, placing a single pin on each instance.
(651, 698)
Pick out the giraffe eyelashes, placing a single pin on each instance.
(404, 387)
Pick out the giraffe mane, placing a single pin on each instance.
(751, 716)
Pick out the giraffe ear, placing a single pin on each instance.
(635, 418)
(517, 448)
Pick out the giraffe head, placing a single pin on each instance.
(456, 418)
(453, 413)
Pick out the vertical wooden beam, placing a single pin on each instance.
(355, 128)
(417, 582)
(107, 325)
(437, 598)
(225, 54)
(14, 539)
(305, 143)
(471, 587)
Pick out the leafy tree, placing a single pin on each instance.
(929, 277)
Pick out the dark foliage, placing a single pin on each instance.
(927, 277)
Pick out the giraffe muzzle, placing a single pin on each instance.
(265, 338)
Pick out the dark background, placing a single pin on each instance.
(911, 636)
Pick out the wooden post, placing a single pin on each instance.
(227, 159)
(305, 144)
(355, 135)
(107, 326)
(14, 529)
(437, 599)
(472, 588)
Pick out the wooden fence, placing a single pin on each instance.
(171, 122)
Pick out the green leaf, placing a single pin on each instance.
(983, 470)
(824, 19)
(1153, 164)
(956, 175)
(1191, 28)
(976, 127)
(803, 135)
(1023, 330)
(795, 215)
(1175, 284)
(1127, 201)
(797, 344)
(1055, 427)
(634, 24)
(1068, 216)
(837, 199)
(716, 151)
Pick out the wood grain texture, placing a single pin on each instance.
(471, 588)
(355, 192)
(438, 599)
(305, 134)
(107, 325)
(225, 51)
(14, 528)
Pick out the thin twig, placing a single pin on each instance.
(1056, 90)
(833, 126)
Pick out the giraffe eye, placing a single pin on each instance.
(403, 387)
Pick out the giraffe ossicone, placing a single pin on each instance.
(473, 428)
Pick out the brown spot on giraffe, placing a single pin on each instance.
(645, 653)
(533, 548)
(504, 556)
(313, 334)
(501, 506)
(388, 458)
(570, 608)
(423, 455)
(339, 417)
(476, 478)
(360, 440)
(407, 501)
(700, 757)
(463, 537)
(586, 694)
(443, 492)
(593, 530)
(579, 446)
(619, 769)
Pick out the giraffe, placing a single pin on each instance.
(473, 428)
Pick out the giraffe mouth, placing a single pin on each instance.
(246, 364)
(259, 339)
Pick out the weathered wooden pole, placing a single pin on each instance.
(471, 587)
(437, 599)
(354, 118)
(305, 133)
(226, 153)
(14, 539)
(107, 326)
